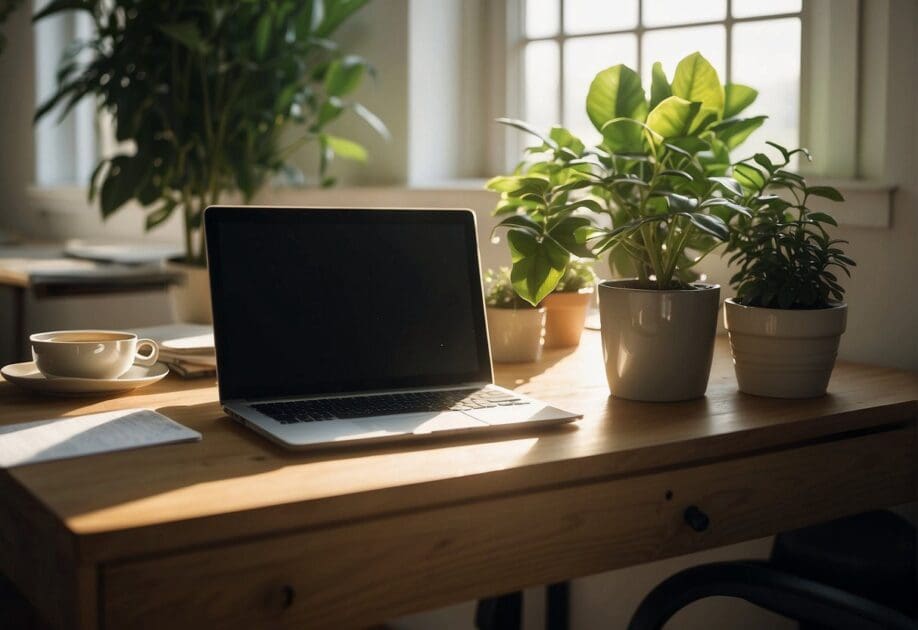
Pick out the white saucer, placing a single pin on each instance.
(27, 375)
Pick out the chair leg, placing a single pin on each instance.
(761, 584)
(504, 612)
(557, 606)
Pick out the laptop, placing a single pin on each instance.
(342, 327)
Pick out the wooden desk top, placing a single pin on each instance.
(235, 484)
(46, 267)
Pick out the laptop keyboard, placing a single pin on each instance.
(289, 412)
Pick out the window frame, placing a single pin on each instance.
(844, 59)
(560, 38)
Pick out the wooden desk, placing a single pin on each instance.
(48, 273)
(233, 532)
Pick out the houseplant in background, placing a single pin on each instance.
(653, 196)
(515, 327)
(566, 306)
(211, 98)
(787, 317)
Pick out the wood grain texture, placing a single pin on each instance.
(359, 573)
(234, 484)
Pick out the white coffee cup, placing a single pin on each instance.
(103, 354)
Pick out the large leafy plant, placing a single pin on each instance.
(203, 91)
(785, 255)
(653, 195)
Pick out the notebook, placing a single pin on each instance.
(63, 438)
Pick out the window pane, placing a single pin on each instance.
(542, 18)
(583, 58)
(542, 66)
(589, 16)
(766, 56)
(750, 8)
(671, 45)
(663, 12)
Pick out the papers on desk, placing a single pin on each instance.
(63, 438)
(188, 349)
(135, 253)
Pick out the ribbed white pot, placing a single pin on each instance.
(191, 298)
(657, 345)
(516, 334)
(784, 353)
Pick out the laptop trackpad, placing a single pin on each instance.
(422, 422)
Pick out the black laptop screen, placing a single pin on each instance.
(325, 301)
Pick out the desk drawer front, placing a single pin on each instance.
(356, 574)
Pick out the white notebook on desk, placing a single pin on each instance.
(63, 438)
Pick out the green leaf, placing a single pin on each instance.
(344, 75)
(749, 176)
(346, 149)
(659, 86)
(623, 135)
(616, 92)
(711, 224)
(566, 231)
(729, 184)
(737, 98)
(373, 120)
(734, 132)
(187, 34)
(822, 217)
(537, 265)
(566, 140)
(262, 35)
(696, 80)
(64, 5)
(333, 15)
(523, 126)
(673, 116)
(124, 178)
(827, 192)
(160, 214)
(520, 221)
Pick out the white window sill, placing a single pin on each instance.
(868, 204)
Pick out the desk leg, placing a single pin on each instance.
(504, 612)
(557, 606)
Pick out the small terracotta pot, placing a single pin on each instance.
(658, 345)
(784, 353)
(565, 315)
(191, 298)
(516, 334)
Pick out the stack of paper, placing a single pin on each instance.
(188, 349)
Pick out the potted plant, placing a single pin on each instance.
(653, 196)
(515, 328)
(788, 315)
(208, 99)
(566, 306)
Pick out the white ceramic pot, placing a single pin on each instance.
(191, 298)
(516, 334)
(657, 345)
(784, 353)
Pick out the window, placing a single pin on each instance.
(566, 42)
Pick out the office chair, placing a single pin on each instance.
(856, 572)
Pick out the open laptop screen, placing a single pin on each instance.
(325, 301)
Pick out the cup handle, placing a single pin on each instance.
(150, 358)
